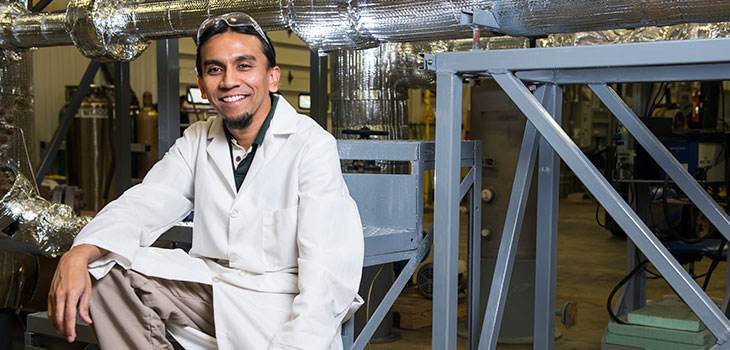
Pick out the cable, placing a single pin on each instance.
(651, 212)
(617, 287)
(655, 275)
(598, 206)
(370, 290)
(673, 230)
(657, 98)
(715, 262)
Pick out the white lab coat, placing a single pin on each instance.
(284, 252)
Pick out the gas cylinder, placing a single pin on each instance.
(147, 135)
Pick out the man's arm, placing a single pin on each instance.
(71, 288)
(125, 225)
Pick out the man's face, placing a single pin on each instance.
(236, 78)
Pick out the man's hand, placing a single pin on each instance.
(71, 288)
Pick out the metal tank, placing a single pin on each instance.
(89, 147)
(365, 94)
(497, 121)
(146, 132)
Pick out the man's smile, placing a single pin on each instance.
(233, 98)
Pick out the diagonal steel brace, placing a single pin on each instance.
(628, 220)
(510, 237)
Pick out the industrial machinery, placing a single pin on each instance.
(693, 131)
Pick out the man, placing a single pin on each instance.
(277, 241)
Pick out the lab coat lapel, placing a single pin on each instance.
(219, 151)
(282, 125)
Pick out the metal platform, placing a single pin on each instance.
(547, 69)
(391, 210)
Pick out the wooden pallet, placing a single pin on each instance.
(413, 311)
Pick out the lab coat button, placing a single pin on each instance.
(216, 279)
(233, 213)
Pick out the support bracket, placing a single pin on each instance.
(483, 18)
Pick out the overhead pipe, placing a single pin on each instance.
(121, 30)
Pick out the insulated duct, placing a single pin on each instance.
(17, 122)
(370, 87)
(31, 224)
(365, 94)
(687, 31)
(121, 30)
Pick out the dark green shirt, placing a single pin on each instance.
(239, 173)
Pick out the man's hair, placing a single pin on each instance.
(222, 27)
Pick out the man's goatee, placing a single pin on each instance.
(239, 123)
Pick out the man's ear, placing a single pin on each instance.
(274, 76)
(200, 85)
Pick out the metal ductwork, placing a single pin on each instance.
(365, 94)
(31, 224)
(370, 87)
(121, 30)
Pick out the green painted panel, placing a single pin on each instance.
(698, 338)
(667, 313)
(650, 344)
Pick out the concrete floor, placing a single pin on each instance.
(590, 263)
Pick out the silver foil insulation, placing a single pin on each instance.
(687, 31)
(365, 92)
(370, 87)
(122, 29)
(17, 122)
(31, 224)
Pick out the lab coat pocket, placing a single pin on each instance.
(280, 238)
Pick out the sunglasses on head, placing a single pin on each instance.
(232, 19)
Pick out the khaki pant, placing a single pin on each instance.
(129, 310)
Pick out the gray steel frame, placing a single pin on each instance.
(168, 94)
(380, 249)
(550, 67)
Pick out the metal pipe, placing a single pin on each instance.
(119, 30)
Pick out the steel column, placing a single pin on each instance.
(67, 121)
(168, 94)
(642, 236)
(546, 256)
(664, 158)
(318, 88)
(122, 128)
(475, 250)
(510, 238)
(446, 209)
(633, 295)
